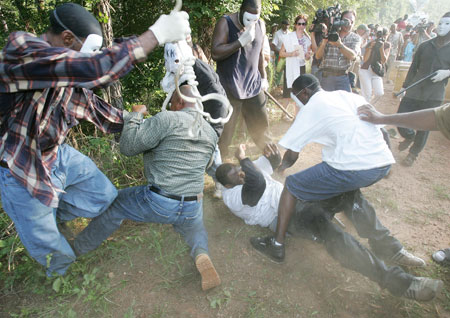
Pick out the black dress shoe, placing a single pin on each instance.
(266, 246)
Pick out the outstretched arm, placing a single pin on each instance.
(289, 158)
(420, 120)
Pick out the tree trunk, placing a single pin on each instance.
(3, 22)
(113, 93)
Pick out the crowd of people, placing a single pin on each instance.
(45, 89)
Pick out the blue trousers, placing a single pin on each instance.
(142, 205)
(87, 193)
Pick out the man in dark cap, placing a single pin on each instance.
(354, 156)
(45, 87)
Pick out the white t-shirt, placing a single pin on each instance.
(278, 38)
(330, 119)
(267, 208)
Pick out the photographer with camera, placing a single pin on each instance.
(373, 68)
(338, 50)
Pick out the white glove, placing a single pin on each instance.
(264, 84)
(248, 36)
(171, 28)
(441, 75)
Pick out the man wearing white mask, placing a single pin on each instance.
(431, 56)
(45, 89)
(354, 156)
(237, 47)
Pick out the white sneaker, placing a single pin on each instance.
(403, 257)
(218, 191)
(424, 289)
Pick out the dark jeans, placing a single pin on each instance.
(419, 137)
(256, 119)
(316, 217)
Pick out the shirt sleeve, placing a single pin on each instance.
(48, 66)
(254, 183)
(443, 119)
(305, 129)
(140, 135)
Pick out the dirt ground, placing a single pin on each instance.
(154, 276)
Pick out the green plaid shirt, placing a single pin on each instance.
(173, 161)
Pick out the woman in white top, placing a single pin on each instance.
(296, 48)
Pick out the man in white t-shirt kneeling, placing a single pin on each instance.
(354, 156)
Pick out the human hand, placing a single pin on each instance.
(171, 28)
(264, 84)
(440, 76)
(141, 109)
(308, 55)
(248, 35)
(337, 43)
(294, 53)
(240, 152)
(368, 113)
(271, 149)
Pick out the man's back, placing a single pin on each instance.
(330, 118)
(173, 160)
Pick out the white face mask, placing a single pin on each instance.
(92, 43)
(174, 53)
(249, 19)
(443, 26)
(297, 101)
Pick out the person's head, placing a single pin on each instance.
(72, 26)
(300, 22)
(284, 25)
(405, 17)
(350, 15)
(230, 175)
(177, 103)
(304, 87)
(362, 30)
(393, 27)
(249, 12)
(443, 28)
(385, 32)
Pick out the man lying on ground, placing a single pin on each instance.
(249, 190)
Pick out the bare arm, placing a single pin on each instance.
(148, 41)
(289, 158)
(420, 120)
(321, 49)
(261, 68)
(384, 53)
(221, 49)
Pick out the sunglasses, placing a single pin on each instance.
(301, 23)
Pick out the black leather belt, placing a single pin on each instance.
(331, 72)
(3, 164)
(172, 196)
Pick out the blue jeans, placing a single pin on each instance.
(142, 205)
(322, 181)
(88, 192)
(336, 83)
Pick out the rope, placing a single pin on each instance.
(186, 70)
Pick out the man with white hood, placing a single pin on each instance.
(355, 155)
(237, 47)
(431, 56)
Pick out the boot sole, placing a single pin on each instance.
(210, 278)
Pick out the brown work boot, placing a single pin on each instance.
(210, 278)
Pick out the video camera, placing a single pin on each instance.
(332, 18)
